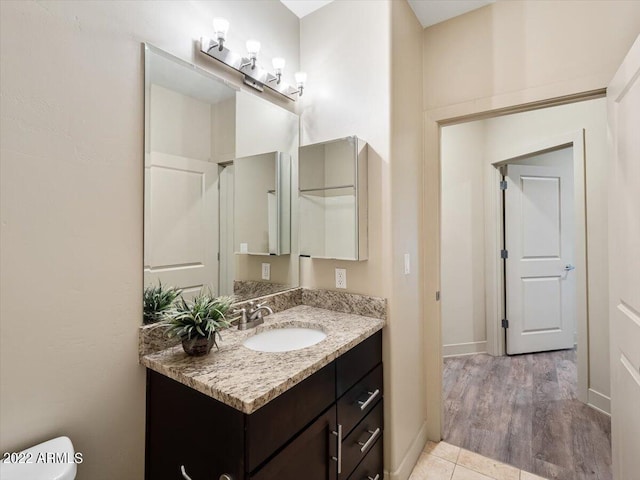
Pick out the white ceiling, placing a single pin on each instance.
(429, 12)
(304, 7)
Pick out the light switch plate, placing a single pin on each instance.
(266, 271)
(341, 278)
(407, 264)
(244, 248)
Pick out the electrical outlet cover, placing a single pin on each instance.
(266, 271)
(341, 278)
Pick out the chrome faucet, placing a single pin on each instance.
(253, 315)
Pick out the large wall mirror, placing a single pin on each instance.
(220, 165)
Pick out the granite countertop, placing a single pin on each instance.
(245, 379)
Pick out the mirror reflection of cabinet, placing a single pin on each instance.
(262, 198)
(333, 199)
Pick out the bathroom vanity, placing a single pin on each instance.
(219, 211)
(315, 413)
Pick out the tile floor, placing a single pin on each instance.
(443, 461)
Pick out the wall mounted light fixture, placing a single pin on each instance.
(220, 28)
(253, 75)
(253, 47)
(278, 66)
(301, 79)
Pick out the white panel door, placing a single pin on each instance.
(181, 222)
(623, 104)
(540, 283)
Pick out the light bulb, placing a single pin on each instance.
(278, 64)
(220, 27)
(301, 78)
(253, 47)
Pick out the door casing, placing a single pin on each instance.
(434, 120)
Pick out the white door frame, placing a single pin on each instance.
(493, 244)
(434, 120)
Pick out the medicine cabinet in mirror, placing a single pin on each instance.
(333, 199)
(263, 200)
(204, 139)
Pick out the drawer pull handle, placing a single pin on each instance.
(374, 435)
(365, 403)
(377, 477)
(339, 457)
(184, 473)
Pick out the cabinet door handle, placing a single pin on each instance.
(184, 473)
(365, 403)
(374, 435)
(339, 457)
(377, 477)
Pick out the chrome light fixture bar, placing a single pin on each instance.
(254, 75)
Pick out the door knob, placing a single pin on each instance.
(568, 268)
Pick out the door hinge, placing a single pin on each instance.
(218, 256)
(503, 185)
(505, 323)
(504, 254)
(438, 296)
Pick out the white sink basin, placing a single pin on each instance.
(284, 339)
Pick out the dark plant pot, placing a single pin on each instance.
(199, 346)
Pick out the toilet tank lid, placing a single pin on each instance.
(50, 460)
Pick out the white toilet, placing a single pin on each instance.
(47, 461)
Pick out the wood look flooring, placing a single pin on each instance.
(523, 411)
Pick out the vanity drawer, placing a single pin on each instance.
(271, 426)
(357, 362)
(371, 468)
(361, 440)
(360, 400)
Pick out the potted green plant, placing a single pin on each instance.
(197, 322)
(157, 300)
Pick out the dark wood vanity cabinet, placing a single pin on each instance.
(328, 427)
(188, 429)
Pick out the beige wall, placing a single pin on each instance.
(406, 381)
(71, 210)
(181, 124)
(374, 93)
(498, 57)
(507, 47)
(462, 236)
(348, 94)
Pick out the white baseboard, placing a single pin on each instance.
(411, 457)
(458, 349)
(599, 401)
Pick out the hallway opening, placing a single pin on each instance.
(545, 412)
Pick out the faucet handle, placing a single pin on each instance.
(242, 311)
